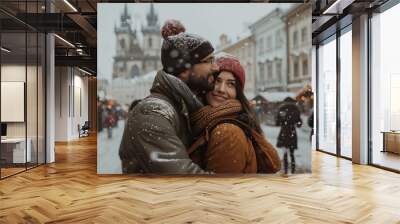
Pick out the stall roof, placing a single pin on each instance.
(276, 96)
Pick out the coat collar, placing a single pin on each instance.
(177, 91)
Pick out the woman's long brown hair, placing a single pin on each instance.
(253, 121)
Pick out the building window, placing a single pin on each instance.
(327, 97)
(305, 67)
(122, 43)
(345, 92)
(385, 89)
(261, 49)
(135, 72)
(295, 39)
(278, 40)
(304, 34)
(279, 69)
(269, 40)
(261, 75)
(122, 66)
(295, 68)
(150, 42)
(269, 67)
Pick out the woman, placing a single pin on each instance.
(288, 118)
(230, 138)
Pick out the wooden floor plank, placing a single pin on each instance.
(70, 191)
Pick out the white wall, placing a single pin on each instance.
(71, 94)
(80, 100)
(61, 103)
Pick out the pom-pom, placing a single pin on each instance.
(172, 27)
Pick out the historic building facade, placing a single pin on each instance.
(271, 52)
(134, 57)
(299, 36)
(243, 49)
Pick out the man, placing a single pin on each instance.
(157, 132)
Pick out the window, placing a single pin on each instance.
(122, 66)
(269, 40)
(22, 65)
(295, 68)
(279, 69)
(304, 34)
(385, 88)
(305, 68)
(327, 96)
(278, 40)
(144, 66)
(261, 46)
(150, 42)
(346, 94)
(266, 44)
(135, 72)
(261, 73)
(122, 43)
(270, 74)
(295, 39)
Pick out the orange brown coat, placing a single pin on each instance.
(229, 150)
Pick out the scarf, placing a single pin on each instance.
(206, 115)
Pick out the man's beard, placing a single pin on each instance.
(200, 84)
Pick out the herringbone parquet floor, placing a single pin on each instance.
(70, 191)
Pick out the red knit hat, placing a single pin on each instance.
(230, 63)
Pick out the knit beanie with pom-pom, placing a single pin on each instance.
(181, 50)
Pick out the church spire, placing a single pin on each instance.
(125, 17)
(152, 17)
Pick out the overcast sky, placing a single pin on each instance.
(209, 20)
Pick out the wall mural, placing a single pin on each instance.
(184, 93)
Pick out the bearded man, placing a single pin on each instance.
(157, 132)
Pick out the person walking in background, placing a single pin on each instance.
(288, 118)
(99, 115)
(109, 122)
(311, 124)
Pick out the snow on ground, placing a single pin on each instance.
(302, 154)
(108, 161)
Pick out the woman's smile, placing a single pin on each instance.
(218, 97)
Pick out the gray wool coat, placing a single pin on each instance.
(157, 132)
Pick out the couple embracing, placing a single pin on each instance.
(196, 119)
